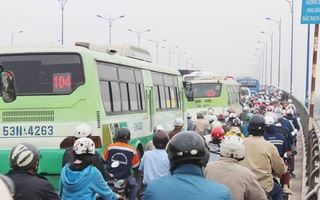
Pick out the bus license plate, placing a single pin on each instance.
(37, 131)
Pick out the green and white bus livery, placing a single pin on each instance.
(212, 91)
(58, 87)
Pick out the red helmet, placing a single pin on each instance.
(217, 133)
(221, 117)
(231, 111)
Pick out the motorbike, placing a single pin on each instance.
(118, 186)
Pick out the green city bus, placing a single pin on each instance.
(212, 91)
(59, 87)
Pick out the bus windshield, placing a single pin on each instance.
(45, 73)
(205, 90)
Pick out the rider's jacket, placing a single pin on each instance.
(68, 157)
(241, 182)
(154, 164)
(83, 184)
(127, 156)
(278, 139)
(188, 183)
(260, 155)
(294, 121)
(214, 148)
(30, 187)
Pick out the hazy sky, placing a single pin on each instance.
(219, 35)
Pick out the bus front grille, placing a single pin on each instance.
(28, 116)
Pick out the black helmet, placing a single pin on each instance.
(200, 115)
(160, 139)
(123, 134)
(23, 156)
(236, 122)
(257, 123)
(187, 147)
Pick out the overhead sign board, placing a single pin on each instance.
(310, 13)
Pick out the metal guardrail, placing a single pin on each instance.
(311, 137)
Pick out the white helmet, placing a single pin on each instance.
(232, 115)
(178, 122)
(269, 120)
(210, 111)
(84, 146)
(290, 111)
(270, 108)
(232, 146)
(211, 118)
(158, 127)
(82, 130)
(189, 115)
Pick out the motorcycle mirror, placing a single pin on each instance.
(115, 164)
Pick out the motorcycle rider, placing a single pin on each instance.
(83, 130)
(261, 157)
(81, 180)
(155, 163)
(128, 158)
(216, 136)
(290, 116)
(244, 126)
(189, 122)
(279, 140)
(178, 123)
(201, 125)
(188, 154)
(24, 162)
(241, 182)
(243, 114)
(235, 128)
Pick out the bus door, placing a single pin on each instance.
(149, 99)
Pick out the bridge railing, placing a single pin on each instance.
(311, 137)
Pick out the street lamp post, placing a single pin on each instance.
(170, 50)
(194, 65)
(179, 57)
(110, 20)
(266, 60)
(157, 42)
(62, 4)
(258, 67)
(291, 59)
(139, 33)
(279, 56)
(271, 52)
(261, 68)
(13, 33)
(187, 59)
